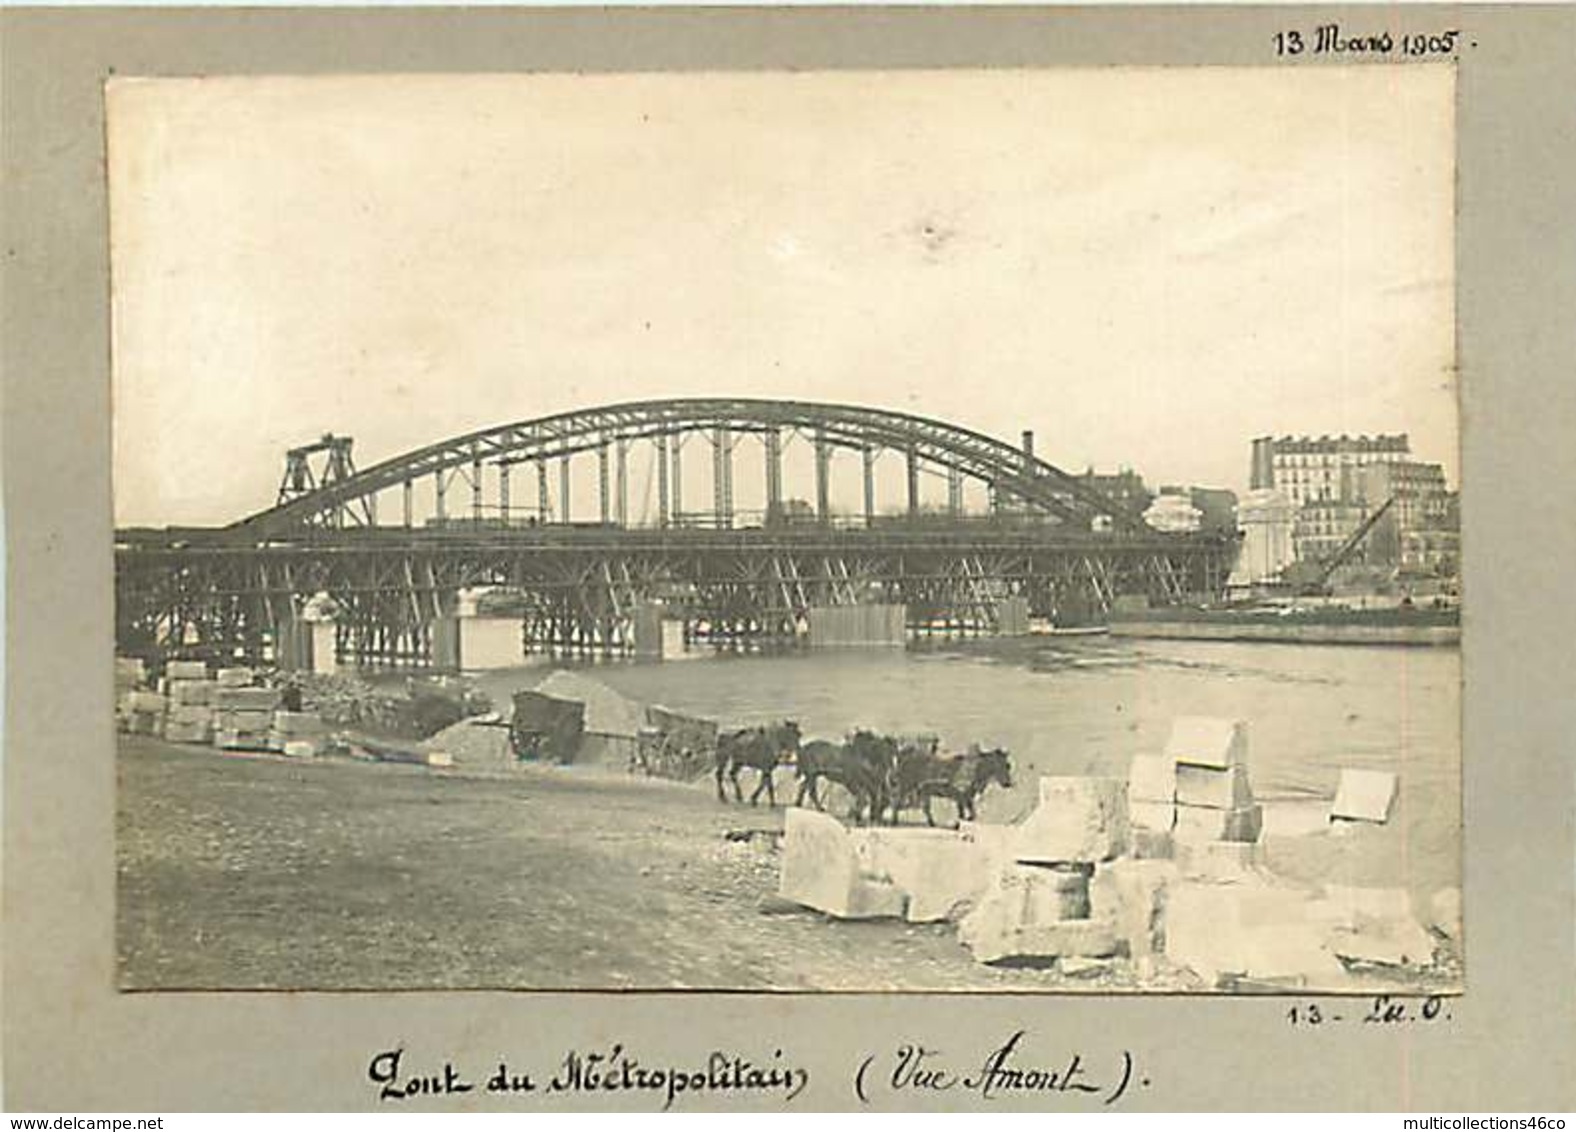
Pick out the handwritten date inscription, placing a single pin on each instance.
(1332, 39)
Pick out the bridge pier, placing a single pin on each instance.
(409, 496)
(440, 487)
(503, 493)
(544, 498)
(476, 489)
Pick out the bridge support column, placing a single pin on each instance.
(441, 485)
(774, 475)
(722, 476)
(911, 459)
(409, 494)
(868, 457)
(661, 444)
(476, 490)
(544, 500)
(823, 478)
(503, 493)
(954, 492)
(563, 488)
(604, 499)
(621, 482)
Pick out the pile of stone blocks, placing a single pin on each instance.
(299, 734)
(190, 715)
(1038, 907)
(142, 712)
(243, 718)
(1217, 823)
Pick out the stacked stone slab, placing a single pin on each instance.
(233, 677)
(1217, 822)
(189, 718)
(243, 718)
(1036, 908)
(300, 734)
(143, 712)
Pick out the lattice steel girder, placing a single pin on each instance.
(241, 592)
(1006, 468)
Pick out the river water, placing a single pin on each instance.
(1087, 705)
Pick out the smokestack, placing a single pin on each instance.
(1028, 448)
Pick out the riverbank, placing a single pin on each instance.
(1290, 632)
(256, 872)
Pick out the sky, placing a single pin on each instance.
(1148, 267)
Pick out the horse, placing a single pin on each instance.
(862, 766)
(761, 749)
(920, 777)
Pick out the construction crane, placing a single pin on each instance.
(1312, 578)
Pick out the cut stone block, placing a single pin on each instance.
(821, 871)
(233, 677)
(185, 670)
(179, 731)
(1077, 820)
(191, 693)
(1042, 944)
(227, 719)
(994, 843)
(1373, 925)
(1206, 741)
(1152, 844)
(1153, 816)
(299, 749)
(1197, 824)
(1254, 930)
(1364, 795)
(1152, 778)
(1213, 788)
(439, 758)
(1131, 894)
(941, 873)
(246, 699)
(147, 702)
(298, 723)
(190, 714)
(1221, 860)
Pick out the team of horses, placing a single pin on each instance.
(883, 775)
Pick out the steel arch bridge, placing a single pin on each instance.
(395, 545)
(1008, 472)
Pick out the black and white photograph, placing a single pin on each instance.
(948, 531)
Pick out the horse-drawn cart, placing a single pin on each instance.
(675, 745)
(546, 728)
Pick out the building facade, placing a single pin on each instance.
(1333, 484)
(1306, 469)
